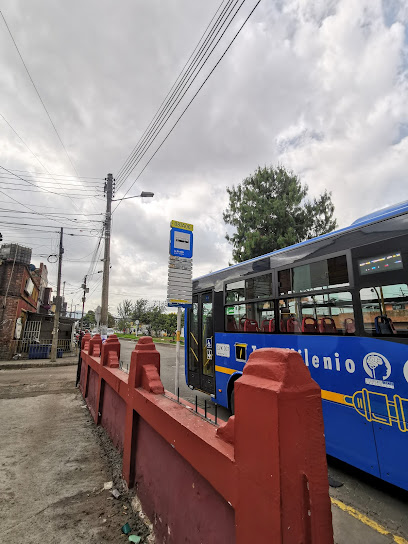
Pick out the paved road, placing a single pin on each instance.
(384, 507)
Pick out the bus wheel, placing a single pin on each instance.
(232, 402)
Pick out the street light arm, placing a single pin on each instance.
(143, 194)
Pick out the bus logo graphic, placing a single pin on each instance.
(379, 408)
(378, 369)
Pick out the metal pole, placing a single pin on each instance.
(176, 385)
(106, 259)
(83, 303)
(58, 304)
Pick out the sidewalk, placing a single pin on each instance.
(38, 363)
(54, 464)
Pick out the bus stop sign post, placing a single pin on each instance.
(180, 277)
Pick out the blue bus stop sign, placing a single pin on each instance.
(181, 243)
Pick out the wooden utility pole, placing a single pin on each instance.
(57, 304)
(106, 258)
(86, 290)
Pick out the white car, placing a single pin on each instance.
(94, 331)
(110, 331)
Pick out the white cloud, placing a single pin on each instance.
(318, 86)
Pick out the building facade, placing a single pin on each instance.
(19, 293)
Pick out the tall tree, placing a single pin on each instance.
(111, 320)
(270, 210)
(125, 310)
(89, 318)
(140, 308)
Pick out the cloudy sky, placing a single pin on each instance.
(319, 86)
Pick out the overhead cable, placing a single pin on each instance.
(120, 173)
(38, 94)
(192, 99)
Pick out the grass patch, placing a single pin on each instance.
(156, 340)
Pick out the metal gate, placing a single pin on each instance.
(32, 331)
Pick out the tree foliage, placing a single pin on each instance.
(270, 210)
(90, 321)
(152, 317)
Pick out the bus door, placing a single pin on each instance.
(201, 344)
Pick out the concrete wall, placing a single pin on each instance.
(261, 477)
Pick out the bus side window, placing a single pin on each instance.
(385, 309)
(250, 317)
(328, 313)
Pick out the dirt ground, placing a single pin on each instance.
(54, 463)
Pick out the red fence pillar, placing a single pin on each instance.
(95, 345)
(280, 452)
(111, 352)
(144, 372)
(85, 341)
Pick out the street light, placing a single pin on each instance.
(143, 194)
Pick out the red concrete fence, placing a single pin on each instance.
(261, 477)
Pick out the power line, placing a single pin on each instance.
(53, 184)
(120, 173)
(34, 185)
(77, 221)
(7, 223)
(13, 129)
(49, 213)
(39, 174)
(175, 99)
(194, 96)
(76, 195)
(38, 94)
(25, 206)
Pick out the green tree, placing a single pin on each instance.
(125, 311)
(270, 210)
(156, 317)
(111, 320)
(89, 319)
(170, 325)
(140, 308)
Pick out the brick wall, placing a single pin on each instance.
(16, 304)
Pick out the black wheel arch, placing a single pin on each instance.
(230, 389)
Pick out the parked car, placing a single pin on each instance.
(110, 331)
(94, 331)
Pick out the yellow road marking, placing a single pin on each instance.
(367, 521)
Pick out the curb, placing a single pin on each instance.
(155, 343)
(21, 366)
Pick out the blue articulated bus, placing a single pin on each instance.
(341, 301)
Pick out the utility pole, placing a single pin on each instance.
(58, 304)
(63, 298)
(106, 259)
(86, 290)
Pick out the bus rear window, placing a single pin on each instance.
(328, 273)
